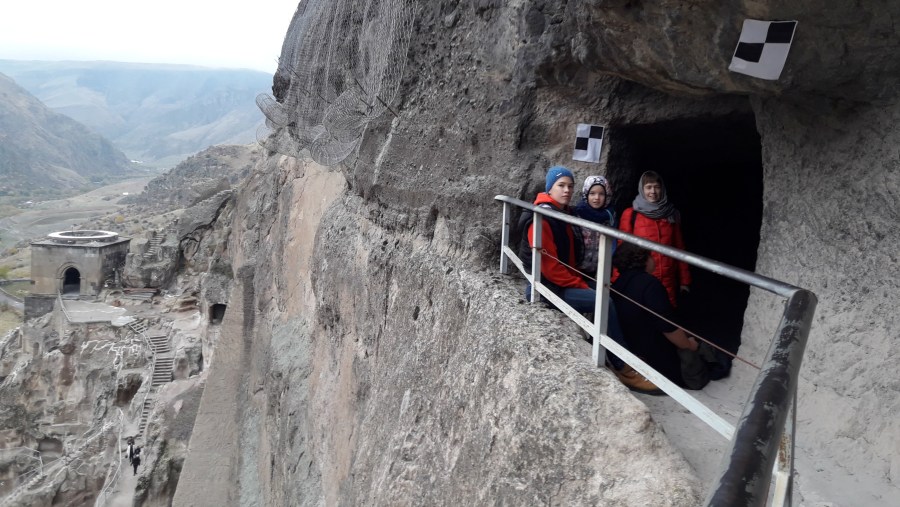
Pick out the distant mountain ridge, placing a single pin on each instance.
(158, 114)
(42, 149)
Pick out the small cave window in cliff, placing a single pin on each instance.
(216, 313)
(126, 390)
(71, 281)
(712, 168)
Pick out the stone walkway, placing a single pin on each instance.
(123, 494)
(83, 311)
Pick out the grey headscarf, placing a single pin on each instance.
(659, 209)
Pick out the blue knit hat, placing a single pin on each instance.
(556, 172)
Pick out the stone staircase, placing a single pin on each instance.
(138, 326)
(163, 363)
(153, 248)
(10, 499)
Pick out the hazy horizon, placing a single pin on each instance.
(200, 32)
(126, 63)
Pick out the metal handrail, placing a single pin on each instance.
(153, 357)
(23, 480)
(34, 454)
(764, 437)
(103, 497)
(63, 306)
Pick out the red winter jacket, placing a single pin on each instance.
(670, 272)
(551, 269)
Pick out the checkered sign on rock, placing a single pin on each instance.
(588, 141)
(763, 48)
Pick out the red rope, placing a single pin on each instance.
(695, 335)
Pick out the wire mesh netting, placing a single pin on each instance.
(340, 68)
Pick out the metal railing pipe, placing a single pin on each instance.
(763, 282)
(504, 237)
(758, 434)
(537, 239)
(63, 306)
(601, 302)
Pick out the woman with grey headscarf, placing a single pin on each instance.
(653, 217)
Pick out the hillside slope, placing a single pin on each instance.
(41, 148)
(154, 113)
(198, 177)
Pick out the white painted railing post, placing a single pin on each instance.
(537, 226)
(601, 305)
(504, 238)
(784, 464)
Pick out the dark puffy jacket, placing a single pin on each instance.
(559, 240)
(667, 231)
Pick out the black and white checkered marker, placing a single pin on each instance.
(588, 140)
(763, 48)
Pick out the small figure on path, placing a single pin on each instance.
(130, 449)
(136, 460)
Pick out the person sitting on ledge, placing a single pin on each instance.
(562, 247)
(649, 337)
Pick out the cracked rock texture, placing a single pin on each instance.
(62, 397)
(367, 367)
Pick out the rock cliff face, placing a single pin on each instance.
(65, 393)
(371, 354)
(358, 363)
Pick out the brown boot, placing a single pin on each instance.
(637, 382)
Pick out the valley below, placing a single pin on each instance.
(63, 214)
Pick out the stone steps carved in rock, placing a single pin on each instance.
(160, 344)
(16, 493)
(153, 249)
(163, 366)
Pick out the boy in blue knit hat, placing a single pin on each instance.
(554, 174)
(559, 242)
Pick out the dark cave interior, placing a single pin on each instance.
(217, 313)
(712, 169)
(71, 281)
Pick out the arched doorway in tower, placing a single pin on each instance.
(71, 281)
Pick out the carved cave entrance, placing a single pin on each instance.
(712, 168)
(71, 281)
(217, 313)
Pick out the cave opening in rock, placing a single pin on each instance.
(49, 446)
(71, 281)
(712, 168)
(127, 389)
(216, 313)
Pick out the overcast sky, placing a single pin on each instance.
(199, 32)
